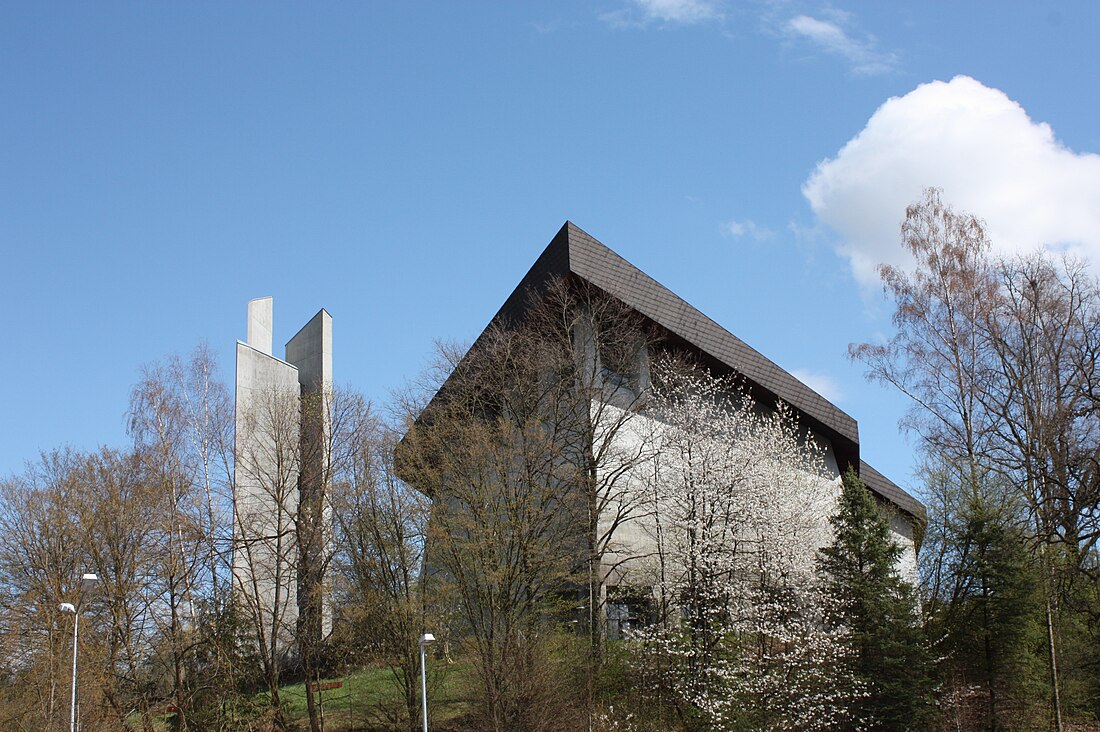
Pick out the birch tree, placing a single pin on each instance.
(999, 358)
(180, 418)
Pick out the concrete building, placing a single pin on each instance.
(575, 257)
(277, 463)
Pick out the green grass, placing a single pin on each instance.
(370, 700)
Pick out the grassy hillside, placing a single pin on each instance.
(370, 700)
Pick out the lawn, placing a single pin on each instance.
(370, 701)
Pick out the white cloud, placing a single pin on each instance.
(831, 37)
(747, 228)
(822, 384)
(682, 12)
(677, 11)
(986, 154)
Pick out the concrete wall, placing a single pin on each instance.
(259, 324)
(277, 459)
(901, 527)
(266, 489)
(310, 351)
(804, 516)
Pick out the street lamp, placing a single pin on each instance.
(68, 607)
(424, 641)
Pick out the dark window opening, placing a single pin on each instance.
(628, 608)
(624, 368)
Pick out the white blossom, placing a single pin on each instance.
(740, 498)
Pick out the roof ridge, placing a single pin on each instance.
(682, 318)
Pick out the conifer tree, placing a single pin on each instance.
(878, 610)
(992, 629)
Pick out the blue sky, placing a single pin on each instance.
(403, 164)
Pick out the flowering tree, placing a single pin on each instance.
(740, 496)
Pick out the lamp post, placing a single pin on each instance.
(68, 607)
(424, 641)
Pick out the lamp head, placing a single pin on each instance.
(90, 576)
(426, 639)
(67, 607)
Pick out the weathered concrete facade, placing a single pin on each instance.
(278, 459)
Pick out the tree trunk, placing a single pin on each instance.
(1052, 654)
(277, 722)
(315, 721)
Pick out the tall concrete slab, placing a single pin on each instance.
(310, 351)
(267, 445)
(259, 324)
(282, 464)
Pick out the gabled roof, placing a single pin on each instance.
(592, 261)
(573, 252)
(882, 486)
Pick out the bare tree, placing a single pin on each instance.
(999, 357)
(381, 528)
(940, 356)
(334, 423)
(181, 419)
(99, 513)
(129, 532)
(1045, 334)
(265, 555)
(491, 456)
(41, 560)
(530, 444)
(600, 350)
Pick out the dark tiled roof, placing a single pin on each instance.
(887, 489)
(574, 252)
(592, 261)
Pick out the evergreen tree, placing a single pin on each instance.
(992, 626)
(878, 610)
